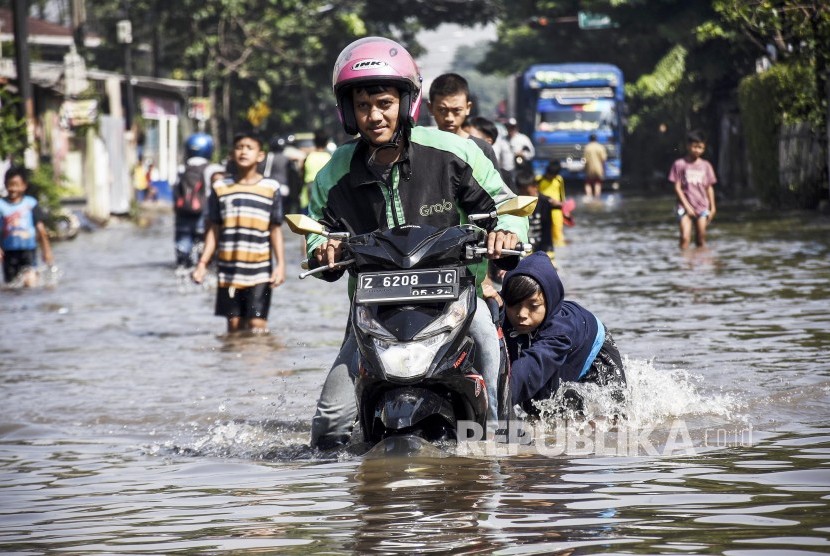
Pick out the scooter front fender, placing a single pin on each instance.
(404, 408)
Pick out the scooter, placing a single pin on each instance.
(413, 303)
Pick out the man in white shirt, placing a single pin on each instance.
(520, 143)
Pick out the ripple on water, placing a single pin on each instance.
(136, 427)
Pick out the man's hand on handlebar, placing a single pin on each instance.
(329, 253)
(498, 240)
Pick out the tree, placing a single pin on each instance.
(12, 127)
(787, 105)
(796, 31)
(274, 54)
(678, 59)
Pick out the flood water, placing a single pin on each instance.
(131, 424)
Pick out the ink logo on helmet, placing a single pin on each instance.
(364, 65)
(429, 210)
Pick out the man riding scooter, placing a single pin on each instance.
(397, 174)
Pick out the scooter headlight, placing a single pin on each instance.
(410, 359)
(368, 325)
(450, 320)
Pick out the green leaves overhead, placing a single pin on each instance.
(232, 46)
(665, 78)
(790, 25)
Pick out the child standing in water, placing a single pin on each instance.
(552, 186)
(245, 215)
(22, 230)
(540, 222)
(694, 180)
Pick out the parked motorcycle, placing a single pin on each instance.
(413, 303)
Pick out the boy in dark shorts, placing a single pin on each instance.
(553, 342)
(694, 180)
(22, 230)
(244, 216)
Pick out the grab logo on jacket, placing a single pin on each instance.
(437, 208)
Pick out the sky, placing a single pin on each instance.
(442, 43)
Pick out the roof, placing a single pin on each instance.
(50, 74)
(42, 31)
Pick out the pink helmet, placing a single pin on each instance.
(376, 60)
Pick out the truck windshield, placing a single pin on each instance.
(595, 116)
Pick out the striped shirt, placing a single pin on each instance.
(245, 215)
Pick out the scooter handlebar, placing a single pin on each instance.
(522, 250)
(318, 268)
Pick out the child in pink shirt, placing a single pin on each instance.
(693, 179)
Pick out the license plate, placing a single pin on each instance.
(574, 165)
(407, 285)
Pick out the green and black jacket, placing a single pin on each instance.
(439, 180)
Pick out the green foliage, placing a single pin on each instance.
(682, 59)
(795, 27)
(646, 31)
(767, 101)
(230, 47)
(12, 127)
(665, 78)
(759, 98)
(678, 58)
(654, 92)
(48, 190)
(799, 30)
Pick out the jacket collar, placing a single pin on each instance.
(360, 173)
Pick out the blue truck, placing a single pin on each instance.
(559, 106)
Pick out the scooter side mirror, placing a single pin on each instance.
(302, 224)
(523, 205)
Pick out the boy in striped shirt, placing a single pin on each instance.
(245, 215)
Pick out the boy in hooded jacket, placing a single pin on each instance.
(552, 341)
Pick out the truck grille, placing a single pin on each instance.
(562, 151)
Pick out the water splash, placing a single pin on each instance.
(40, 276)
(658, 395)
(49, 276)
(250, 440)
(652, 396)
(655, 399)
(185, 283)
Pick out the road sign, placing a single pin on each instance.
(199, 108)
(588, 20)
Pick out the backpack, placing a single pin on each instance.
(189, 196)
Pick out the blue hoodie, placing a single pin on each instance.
(561, 349)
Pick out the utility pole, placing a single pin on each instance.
(827, 122)
(79, 24)
(124, 31)
(20, 14)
